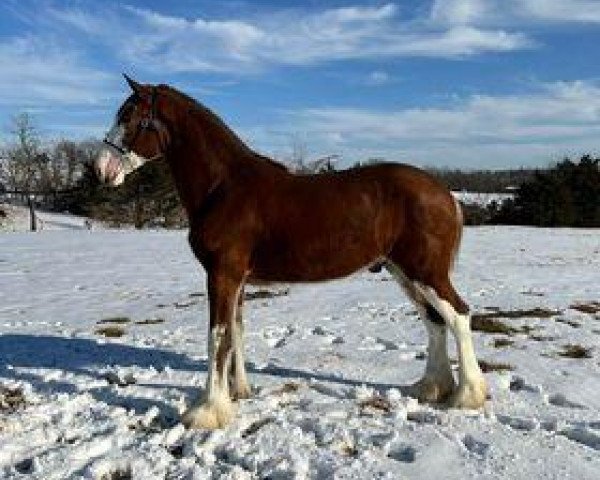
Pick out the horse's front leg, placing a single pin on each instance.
(239, 380)
(216, 408)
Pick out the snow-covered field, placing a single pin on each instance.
(328, 362)
(18, 219)
(482, 199)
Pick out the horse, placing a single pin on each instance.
(253, 222)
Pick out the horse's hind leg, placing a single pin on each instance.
(472, 390)
(437, 383)
(239, 380)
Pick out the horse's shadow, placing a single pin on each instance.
(85, 357)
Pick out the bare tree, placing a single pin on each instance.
(299, 161)
(21, 162)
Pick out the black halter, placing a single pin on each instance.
(147, 123)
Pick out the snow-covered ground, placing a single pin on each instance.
(328, 362)
(18, 219)
(482, 199)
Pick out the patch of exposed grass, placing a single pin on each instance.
(489, 366)
(150, 321)
(11, 399)
(570, 323)
(116, 320)
(263, 294)
(587, 307)
(376, 403)
(119, 474)
(111, 331)
(481, 323)
(185, 304)
(536, 312)
(489, 322)
(288, 387)
(502, 342)
(532, 293)
(542, 338)
(573, 350)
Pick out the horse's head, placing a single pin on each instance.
(137, 136)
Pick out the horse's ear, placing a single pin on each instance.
(136, 87)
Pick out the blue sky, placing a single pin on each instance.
(452, 83)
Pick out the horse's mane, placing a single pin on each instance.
(215, 120)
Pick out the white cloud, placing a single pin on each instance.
(559, 118)
(41, 73)
(511, 12)
(157, 42)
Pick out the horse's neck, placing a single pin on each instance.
(201, 158)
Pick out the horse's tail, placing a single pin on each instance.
(458, 237)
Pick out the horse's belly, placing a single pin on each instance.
(325, 258)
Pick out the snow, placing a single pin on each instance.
(19, 220)
(329, 364)
(482, 199)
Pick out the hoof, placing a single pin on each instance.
(470, 395)
(209, 416)
(432, 390)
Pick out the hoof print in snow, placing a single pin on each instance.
(423, 416)
(403, 453)
(518, 423)
(387, 344)
(321, 331)
(559, 400)
(176, 451)
(256, 426)
(25, 466)
(584, 436)
(475, 446)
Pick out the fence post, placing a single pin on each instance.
(31, 203)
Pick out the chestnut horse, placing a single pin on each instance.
(253, 221)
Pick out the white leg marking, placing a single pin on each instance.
(241, 388)
(471, 391)
(216, 409)
(437, 382)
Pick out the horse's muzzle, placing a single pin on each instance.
(109, 168)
